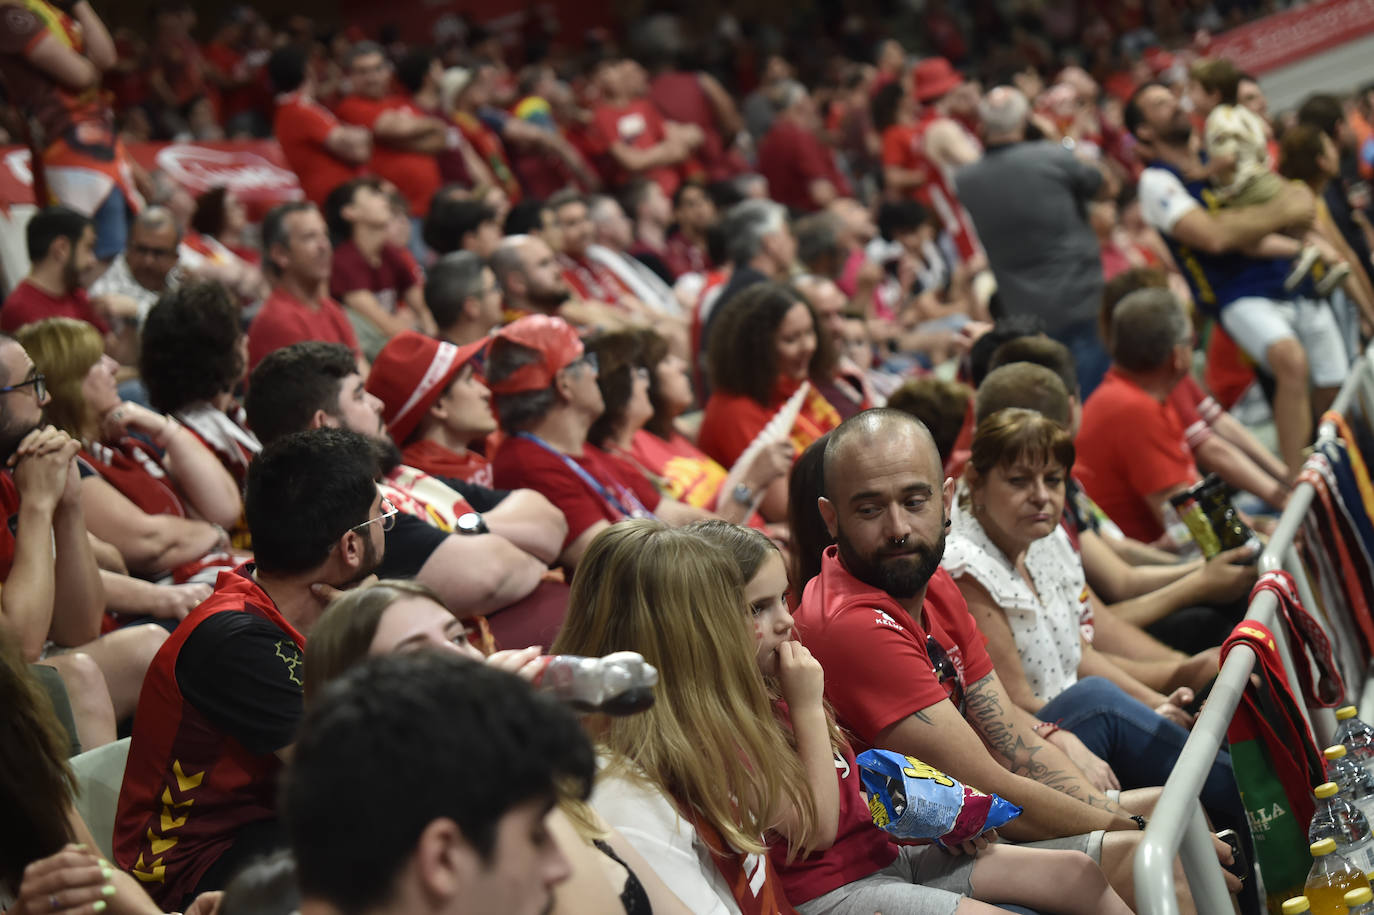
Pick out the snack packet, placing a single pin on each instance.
(911, 800)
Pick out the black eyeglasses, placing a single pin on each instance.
(40, 387)
(946, 672)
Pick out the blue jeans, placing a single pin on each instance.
(1139, 744)
(1089, 355)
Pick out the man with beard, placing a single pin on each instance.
(1292, 337)
(484, 551)
(61, 248)
(222, 699)
(906, 668)
(532, 281)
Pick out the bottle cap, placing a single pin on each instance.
(1360, 896)
(1335, 752)
(1296, 905)
(1344, 712)
(1322, 847)
(1326, 790)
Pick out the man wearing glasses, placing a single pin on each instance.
(222, 698)
(149, 265)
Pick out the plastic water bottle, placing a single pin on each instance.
(618, 684)
(1356, 736)
(1360, 902)
(1336, 818)
(1331, 877)
(1356, 783)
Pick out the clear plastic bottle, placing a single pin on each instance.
(1337, 818)
(1296, 906)
(1331, 877)
(1360, 902)
(618, 684)
(1356, 736)
(1356, 783)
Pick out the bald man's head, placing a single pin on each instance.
(872, 428)
(886, 501)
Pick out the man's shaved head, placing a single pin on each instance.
(871, 428)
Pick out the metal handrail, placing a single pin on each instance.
(1177, 825)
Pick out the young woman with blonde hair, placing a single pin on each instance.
(737, 783)
(608, 875)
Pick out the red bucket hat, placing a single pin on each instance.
(933, 77)
(409, 375)
(553, 338)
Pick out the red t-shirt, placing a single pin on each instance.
(522, 464)
(285, 319)
(1130, 446)
(591, 281)
(1229, 372)
(9, 508)
(389, 280)
(791, 157)
(301, 126)
(877, 669)
(637, 125)
(416, 175)
(28, 304)
(732, 421)
(682, 256)
(137, 474)
(860, 848)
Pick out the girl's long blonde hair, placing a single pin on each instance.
(710, 740)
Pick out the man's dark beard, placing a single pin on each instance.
(1178, 133)
(549, 299)
(370, 562)
(11, 436)
(902, 577)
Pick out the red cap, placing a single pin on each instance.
(933, 77)
(553, 338)
(410, 373)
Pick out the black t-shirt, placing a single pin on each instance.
(480, 498)
(245, 675)
(411, 541)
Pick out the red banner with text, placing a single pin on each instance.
(255, 170)
(1292, 35)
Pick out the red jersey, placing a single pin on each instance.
(637, 124)
(681, 256)
(732, 421)
(27, 304)
(876, 656)
(1229, 372)
(415, 174)
(193, 780)
(904, 146)
(603, 490)
(791, 157)
(1131, 446)
(679, 97)
(301, 126)
(285, 319)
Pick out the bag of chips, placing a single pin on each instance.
(911, 800)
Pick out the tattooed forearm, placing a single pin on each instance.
(984, 710)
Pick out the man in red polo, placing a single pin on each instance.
(298, 257)
(1132, 448)
(405, 141)
(801, 170)
(222, 698)
(630, 137)
(322, 152)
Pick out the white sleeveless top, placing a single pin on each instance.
(1047, 629)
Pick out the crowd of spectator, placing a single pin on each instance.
(849, 389)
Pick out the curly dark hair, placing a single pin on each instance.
(190, 346)
(742, 359)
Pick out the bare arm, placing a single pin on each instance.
(948, 143)
(639, 160)
(150, 544)
(992, 622)
(349, 143)
(1095, 664)
(1231, 429)
(69, 68)
(896, 178)
(206, 483)
(822, 191)
(100, 48)
(1137, 553)
(803, 684)
(417, 133)
(1233, 465)
(480, 573)
(125, 594)
(1158, 500)
(728, 118)
(1116, 579)
(365, 303)
(572, 553)
(78, 595)
(531, 522)
(992, 753)
(676, 514)
(1240, 227)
